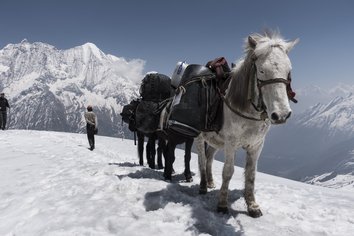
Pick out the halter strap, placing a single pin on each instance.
(262, 83)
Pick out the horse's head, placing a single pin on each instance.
(272, 68)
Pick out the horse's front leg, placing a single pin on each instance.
(169, 159)
(227, 174)
(200, 144)
(210, 152)
(250, 175)
(151, 152)
(140, 147)
(160, 150)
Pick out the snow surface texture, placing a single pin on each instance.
(51, 184)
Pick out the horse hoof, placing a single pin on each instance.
(255, 213)
(211, 185)
(167, 178)
(223, 210)
(160, 167)
(203, 191)
(189, 179)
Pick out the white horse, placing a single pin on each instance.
(257, 96)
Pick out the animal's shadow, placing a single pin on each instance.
(124, 164)
(207, 220)
(148, 173)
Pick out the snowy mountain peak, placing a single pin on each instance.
(92, 49)
(335, 116)
(49, 88)
(91, 46)
(24, 41)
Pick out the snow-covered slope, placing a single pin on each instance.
(336, 169)
(51, 184)
(49, 88)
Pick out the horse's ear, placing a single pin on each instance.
(291, 44)
(252, 42)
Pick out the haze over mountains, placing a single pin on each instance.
(316, 145)
(48, 89)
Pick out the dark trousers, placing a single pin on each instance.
(3, 118)
(91, 135)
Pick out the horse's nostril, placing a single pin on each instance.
(274, 116)
(288, 115)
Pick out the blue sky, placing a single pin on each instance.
(163, 32)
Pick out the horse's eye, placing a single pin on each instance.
(261, 71)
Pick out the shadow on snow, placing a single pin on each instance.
(207, 219)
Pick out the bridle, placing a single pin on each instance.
(260, 106)
(291, 94)
(261, 83)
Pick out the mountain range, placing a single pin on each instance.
(316, 146)
(48, 88)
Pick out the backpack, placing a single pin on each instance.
(128, 114)
(155, 87)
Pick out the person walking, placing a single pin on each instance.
(4, 104)
(91, 126)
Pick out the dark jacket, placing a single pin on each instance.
(3, 104)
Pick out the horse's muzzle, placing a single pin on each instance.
(279, 119)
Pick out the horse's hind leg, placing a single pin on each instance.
(140, 147)
(200, 144)
(210, 152)
(250, 173)
(187, 159)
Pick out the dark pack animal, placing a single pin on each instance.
(129, 116)
(155, 90)
(196, 107)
